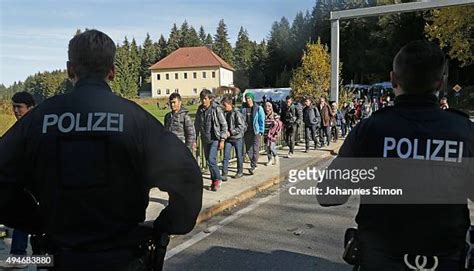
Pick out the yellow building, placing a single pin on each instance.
(189, 70)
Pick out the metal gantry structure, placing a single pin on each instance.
(336, 16)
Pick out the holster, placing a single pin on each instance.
(469, 252)
(159, 253)
(351, 247)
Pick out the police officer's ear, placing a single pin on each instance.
(111, 74)
(393, 79)
(70, 70)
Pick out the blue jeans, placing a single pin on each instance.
(210, 151)
(271, 150)
(19, 243)
(237, 144)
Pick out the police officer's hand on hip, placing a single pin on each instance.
(89, 157)
(413, 213)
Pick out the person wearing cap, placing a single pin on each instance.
(255, 120)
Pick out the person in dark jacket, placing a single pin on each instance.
(89, 158)
(344, 121)
(312, 122)
(236, 128)
(299, 120)
(22, 103)
(235, 131)
(290, 118)
(180, 123)
(424, 151)
(255, 122)
(326, 117)
(210, 123)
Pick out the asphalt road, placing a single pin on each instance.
(274, 231)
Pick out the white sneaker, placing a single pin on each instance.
(289, 155)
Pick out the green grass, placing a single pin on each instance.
(7, 120)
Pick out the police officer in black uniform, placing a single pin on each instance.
(428, 152)
(89, 158)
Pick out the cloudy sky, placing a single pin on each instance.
(34, 34)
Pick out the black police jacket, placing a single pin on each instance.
(424, 152)
(90, 157)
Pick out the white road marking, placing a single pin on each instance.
(207, 232)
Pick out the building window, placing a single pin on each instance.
(195, 75)
(213, 74)
(195, 90)
(158, 76)
(167, 76)
(203, 74)
(176, 90)
(176, 76)
(167, 91)
(185, 75)
(158, 92)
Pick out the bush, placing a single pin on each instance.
(7, 119)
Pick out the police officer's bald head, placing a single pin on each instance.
(91, 54)
(419, 67)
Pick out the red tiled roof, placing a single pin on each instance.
(187, 57)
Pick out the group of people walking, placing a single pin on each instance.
(224, 127)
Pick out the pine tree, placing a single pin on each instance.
(278, 65)
(148, 58)
(243, 51)
(242, 59)
(184, 37)
(257, 71)
(209, 41)
(202, 35)
(134, 78)
(299, 37)
(193, 38)
(160, 48)
(221, 45)
(127, 69)
(174, 40)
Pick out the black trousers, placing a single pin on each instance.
(290, 136)
(311, 133)
(325, 131)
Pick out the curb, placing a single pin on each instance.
(249, 193)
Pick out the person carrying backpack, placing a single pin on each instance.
(273, 127)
